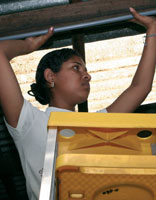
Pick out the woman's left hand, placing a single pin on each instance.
(146, 21)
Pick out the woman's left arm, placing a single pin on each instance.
(142, 81)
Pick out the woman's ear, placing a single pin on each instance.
(49, 76)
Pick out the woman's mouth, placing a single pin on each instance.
(86, 85)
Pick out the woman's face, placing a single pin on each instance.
(72, 82)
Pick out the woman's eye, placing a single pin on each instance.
(76, 67)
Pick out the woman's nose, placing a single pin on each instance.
(87, 76)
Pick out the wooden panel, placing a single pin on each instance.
(78, 45)
(69, 14)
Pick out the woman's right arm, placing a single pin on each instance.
(11, 99)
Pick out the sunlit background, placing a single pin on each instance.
(111, 63)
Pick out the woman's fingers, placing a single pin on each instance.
(145, 21)
(35, 42)
(135, 14)
(139, 19)
(40, 40)
(49, 34)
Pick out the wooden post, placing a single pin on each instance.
(78, 45)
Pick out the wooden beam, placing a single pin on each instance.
(58, 16)
(78, 45)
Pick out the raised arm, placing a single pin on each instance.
(11, 99)
(141, 84)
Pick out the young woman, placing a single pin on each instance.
(62, 81)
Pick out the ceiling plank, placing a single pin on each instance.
(58, 16)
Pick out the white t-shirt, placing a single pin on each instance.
(30, 138)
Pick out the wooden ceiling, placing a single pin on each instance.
(74, 13)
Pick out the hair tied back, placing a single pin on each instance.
(31, 93)
(38, 91)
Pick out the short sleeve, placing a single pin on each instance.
(25, 121)
(102, 111)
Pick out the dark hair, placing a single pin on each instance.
(54, 61)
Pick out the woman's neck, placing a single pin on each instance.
(62, 106)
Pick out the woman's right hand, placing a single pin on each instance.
(33, 43)
(13, 48)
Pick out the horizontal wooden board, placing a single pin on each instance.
(69, 14)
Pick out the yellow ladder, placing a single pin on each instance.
(100, 156)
